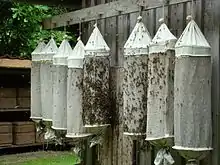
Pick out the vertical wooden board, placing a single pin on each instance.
(115, 119)
(198, 7)
(176, 26)
(88, 153)
(87, 28)
(196, 10)
(117, 98)
(123, 32)
(187, 12)
(84, 28)
(119, 111)
(127, 150)
(133, 20)
(149, 19)
(113, 28)
(110, 38)
(127, 141)
(145, 153)
(101, 22)
(104, 150)
(176, 19)
(161, 13)
(209, 24)
(212, 34)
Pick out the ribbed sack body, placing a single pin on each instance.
(36, 110)
(60, 97)
(193, 103)
(135, 94)
(96, 100)
(46, 77)
(74, 101)
(160, 104)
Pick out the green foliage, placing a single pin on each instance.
(20, 27)
(40, 158)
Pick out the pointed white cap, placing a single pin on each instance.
(138, 40)
(41, 45)
(63, 52)
(49, 51)
(192, 42)
(75, 60)
(36, 54)
(163, 40)
(96, 44)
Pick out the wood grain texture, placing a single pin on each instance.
(116, 26)
(93, 13)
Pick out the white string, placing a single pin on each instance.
(163, 10)
(192, 9)
(80, 28)
(64, 27)
(161, 20)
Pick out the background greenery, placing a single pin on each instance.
(20, 27)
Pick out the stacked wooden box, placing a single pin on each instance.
(14, 98)
(23, 133)
(5, 134)
(23, 97)
(8, 98)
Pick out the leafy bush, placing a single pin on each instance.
(20, 27)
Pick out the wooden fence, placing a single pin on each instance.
(116, 27)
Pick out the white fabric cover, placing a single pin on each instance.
(96, 100)
(138, 41)
(192, 42)
(96, 43)
(75, 92)
(63, 52)
(163, 40)
(46, 78)
(135, 81)
(161, 87)
(75, 60)
(192, 103)
(36, 109)
(60, 86)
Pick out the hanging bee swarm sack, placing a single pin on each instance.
(192, 100)
(46, 78)
(75, 92)
(161, 87)
(96, 100)
(60, 86)
(135, 80)
(36, 110)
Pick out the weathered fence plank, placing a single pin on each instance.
(92, 13)
(211, 30)
(118, 149)
(149, 19)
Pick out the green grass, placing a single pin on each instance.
(39, 158)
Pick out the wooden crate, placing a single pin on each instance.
(5, 134)
(23, 133)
